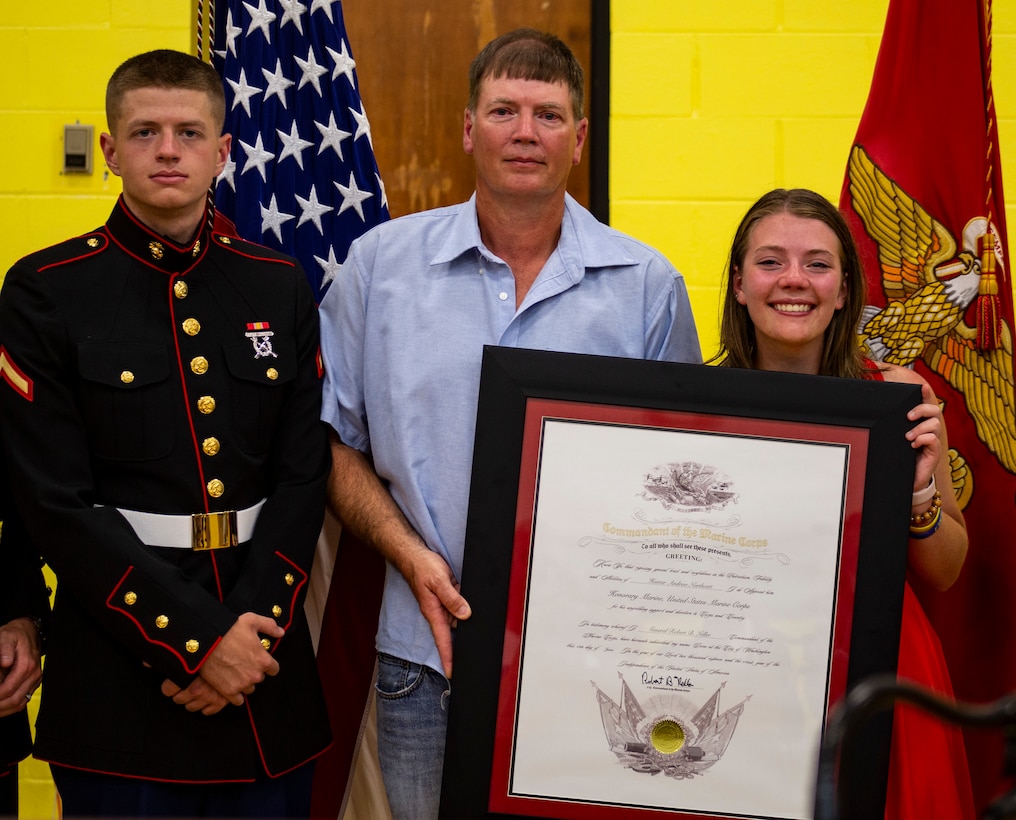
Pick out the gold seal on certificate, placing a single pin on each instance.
(667, 736)
(669, 733)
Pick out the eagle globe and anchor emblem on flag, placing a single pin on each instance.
(932, 282)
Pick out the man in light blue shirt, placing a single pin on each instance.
(403, 326)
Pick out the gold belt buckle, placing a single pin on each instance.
(213, 531)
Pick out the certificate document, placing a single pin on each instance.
(679, 620)
(675, 572)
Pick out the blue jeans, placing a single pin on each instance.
(412, 720)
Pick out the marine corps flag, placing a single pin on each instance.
(302, 178)
(923, 193)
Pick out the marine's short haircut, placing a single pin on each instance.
(164, 68)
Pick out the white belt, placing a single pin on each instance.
(200, 531)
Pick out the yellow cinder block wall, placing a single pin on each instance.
(57, 56)
(712, 103)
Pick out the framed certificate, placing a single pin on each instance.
(675, 571)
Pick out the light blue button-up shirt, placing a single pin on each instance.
(402, 333)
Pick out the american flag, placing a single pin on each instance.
(301, 176)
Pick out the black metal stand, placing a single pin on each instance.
(878, 694)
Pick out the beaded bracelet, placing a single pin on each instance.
(924, 525)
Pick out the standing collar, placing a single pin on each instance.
(151, 249)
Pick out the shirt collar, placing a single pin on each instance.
(583, 243)
(463, 236)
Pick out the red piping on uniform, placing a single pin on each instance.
(186, 395)
(105, 239)
(257, 742)
(231, 249)
(218, 580)
(147, 263)
(137, 623)
(296, 590)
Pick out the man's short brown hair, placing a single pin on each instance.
(164, 68)
(528, 54)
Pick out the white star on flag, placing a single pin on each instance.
(232, 32)
(278, 82)
(344, 64)
(257, 157)
(228, 172)
(260, 18)
(294, 11)
(242, 92)
(327, 6)
(272, 219)
(332, 136)
(293, 144)
(311, 71)
(362, 126)
(330, 267)
(352, 196)
(312, 210)
(309, 111)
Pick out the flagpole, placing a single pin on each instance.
(302, 178)
(203, 30)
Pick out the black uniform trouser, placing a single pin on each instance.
(9, 792)
(90, 794)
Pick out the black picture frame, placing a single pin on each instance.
(514, 378)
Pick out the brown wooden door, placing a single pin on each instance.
(412, 60)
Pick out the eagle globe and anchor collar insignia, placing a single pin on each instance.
(151, 249)
(260, 334)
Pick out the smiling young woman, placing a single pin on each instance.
(795, 292)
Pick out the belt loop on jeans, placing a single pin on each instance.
(199, 532)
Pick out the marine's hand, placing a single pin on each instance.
(20, 664)
(437, 593)
(239, 662)
(926, 437)
(199, 696)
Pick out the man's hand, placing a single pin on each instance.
(437, 593)
(20, 664)
(239, 661)
(200, 696)
(363, 504)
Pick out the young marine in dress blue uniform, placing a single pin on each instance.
(160, 403)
